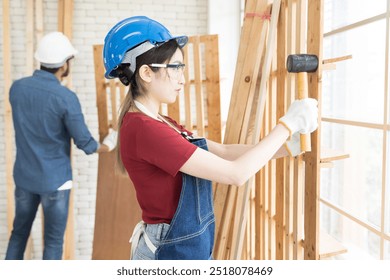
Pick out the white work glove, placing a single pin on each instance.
(110, 140)
(293, 146)
(302, 116)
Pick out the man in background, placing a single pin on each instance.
(46, 116)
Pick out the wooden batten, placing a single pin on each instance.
(29, 36)
(281, 91)
(65, 24)
(101, 99)
(296, 209)
(38, 23)
(312, 159)
(211, 60)
(8, 130)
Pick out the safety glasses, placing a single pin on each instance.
(175, 70)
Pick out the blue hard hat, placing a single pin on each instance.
(130, 33)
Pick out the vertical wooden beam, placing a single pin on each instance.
(312, 159)
(68, 18)
(29, 69)
(65, 23)
(8, 113)
(198, 88)
(187, 89)
(122, 92)
(114, 106)
(60, 15)
(101, 95)
(259, 108)
(38, 23)
(211, 56)
(280, 111)
(299, 165)
(29, 36)
(235, 112)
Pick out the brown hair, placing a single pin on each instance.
(159, 54)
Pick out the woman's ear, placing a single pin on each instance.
(145, 73)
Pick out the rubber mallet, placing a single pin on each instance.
(302, 64)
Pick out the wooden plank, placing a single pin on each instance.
(222, 191)
(38, 23)
(280, 110)
(117, 212)
(297, 226)
(284, 192)
(238, 103)
(329, 246)
(9, 159)
(101, 98)
(122, 92)
(299, 166)
(198, 88)
(60, 15)
(238, 112)
(260, 107)
(67, 17)
(114, 105)
(65, 22)
(29, 69)
(329, 155)
(312, 159)
(29, 37)
(187, 90)
(174, 109)
(336, 59)
(211, 58)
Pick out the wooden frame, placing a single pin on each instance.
(283, 211)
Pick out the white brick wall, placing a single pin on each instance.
(92, 20)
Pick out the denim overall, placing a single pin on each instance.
(191, 232)
(190, 236)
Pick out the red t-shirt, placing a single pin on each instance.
(153, 153)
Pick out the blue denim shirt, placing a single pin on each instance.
(46, 115)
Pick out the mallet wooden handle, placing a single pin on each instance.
(303, 93)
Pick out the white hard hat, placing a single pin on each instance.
(54, 49)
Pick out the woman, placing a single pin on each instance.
(171, 170)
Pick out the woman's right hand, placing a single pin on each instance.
(302, 116)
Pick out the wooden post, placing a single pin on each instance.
(211, 60)
(29, 36)
(8, 114)
(198, 88)
(280, 111)
(65, 22)
(38, 23)
(312, 159)
(299, 174)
